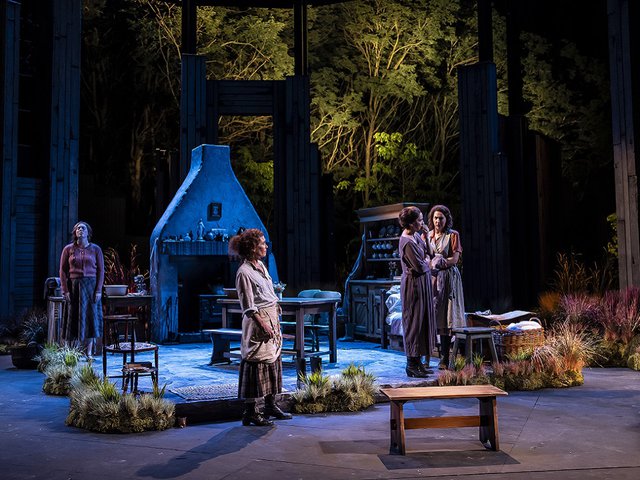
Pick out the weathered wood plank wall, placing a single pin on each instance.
(9, 63)
(65, 126)
(485, 208)
(193, 109)
(30, 262)
(624, 86)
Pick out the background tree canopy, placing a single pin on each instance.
(384, 100)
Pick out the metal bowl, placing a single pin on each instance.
(115, 290)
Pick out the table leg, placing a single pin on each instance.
(397, 428)
(489, 423)
(224, 316)
(299, 347)
(333, 356)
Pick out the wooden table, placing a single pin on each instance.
(298, 308)
(487, 420)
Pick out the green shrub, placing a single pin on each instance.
(99, 406)
(353, 390)
(634, 361)
(59, 364)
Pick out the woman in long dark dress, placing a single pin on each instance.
(81, 279)
(448, 294)
(261, 345)
(418, 315)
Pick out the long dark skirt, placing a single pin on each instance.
(258, 379)
(84, 316)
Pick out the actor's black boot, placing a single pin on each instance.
(253, 416)
(414, 368)
(425, 366)
(445, 346)
(273, 410)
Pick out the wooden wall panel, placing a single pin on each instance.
(485, 208)
(9, 76)
(30, 267)
(65, 126)
(193, 109)
(623, 133)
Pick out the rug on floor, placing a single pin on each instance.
(219, 391)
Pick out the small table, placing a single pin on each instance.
(143, 302)
(298, 308)
(487, 420)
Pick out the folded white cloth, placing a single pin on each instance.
(524, 325)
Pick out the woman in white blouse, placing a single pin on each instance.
(261, 345)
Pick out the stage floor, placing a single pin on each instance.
(187, 365)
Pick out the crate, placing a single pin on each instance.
(510, 342)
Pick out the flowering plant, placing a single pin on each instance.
(279, 287)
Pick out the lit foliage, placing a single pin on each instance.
(558, 363)
(351, 391)
(389, 67)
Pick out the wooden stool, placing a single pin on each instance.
(468, 335)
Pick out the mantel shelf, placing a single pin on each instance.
(195, 248)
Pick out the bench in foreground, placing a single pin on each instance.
(487, 420)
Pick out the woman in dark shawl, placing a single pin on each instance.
(418, 315)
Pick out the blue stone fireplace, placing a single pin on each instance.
(189, 257)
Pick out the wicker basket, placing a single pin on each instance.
(510, 342)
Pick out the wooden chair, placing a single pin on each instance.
(119, 337)
(320, 323)
(309, 335)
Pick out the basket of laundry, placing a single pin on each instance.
(517, 338)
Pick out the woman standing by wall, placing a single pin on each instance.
(448, 294)
(418, 316)
(261, 345)
(81, 279)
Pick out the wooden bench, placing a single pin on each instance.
(487, 420)
(221, 344)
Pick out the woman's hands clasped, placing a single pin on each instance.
(438, 262)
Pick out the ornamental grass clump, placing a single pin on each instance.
(99, 406)
(580, 308)
(474, 373)
(557, 363)
(548, 306)
(574, 345)
(353, 390)
(59, 364)
(620, 326)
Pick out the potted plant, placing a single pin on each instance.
(27, 335)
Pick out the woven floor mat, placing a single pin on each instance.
(220, 391)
